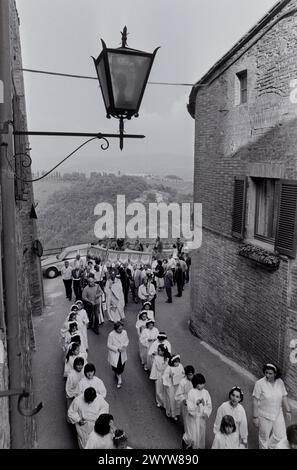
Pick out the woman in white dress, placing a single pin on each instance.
(102, 435)
(269, 399)
(117, 344)
(83, 412)
(160, 362)
(233, 408)
(148, 336)
(173, 375)
(226, 437)
(199, 409)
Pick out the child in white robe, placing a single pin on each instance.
(226, 437)
(173, 375)
(147, 337)
(141, 322)
(83, 412)
(147, 306)
(73, 379)
(182, 391)
(83, 322)
(90, 380)
(102, 435)
(160, 362)
(72, 331)
(73, 352)
(161, 339)
(199, 408)
(235, 409)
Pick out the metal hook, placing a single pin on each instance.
(22, 394)
(25, 412)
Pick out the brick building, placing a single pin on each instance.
(21, 294)
(244, 296)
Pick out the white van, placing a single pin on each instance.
(52, 265)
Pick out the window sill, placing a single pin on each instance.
(262, 257)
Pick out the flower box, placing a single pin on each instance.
(265, 258)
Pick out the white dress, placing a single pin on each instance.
(153, 349)
(95, 441)
(147, 337)
(238, 413)
(158, 367)
(83, 321)
(117, 341)
(94, 382)
(181, 396)
(79, 410)
(171, 379)
(72, 382)
(69, 364)
(196, 418)
(225, 441)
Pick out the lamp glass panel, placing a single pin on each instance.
(128, 74)
(103, 82)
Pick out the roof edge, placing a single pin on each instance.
(246, 38)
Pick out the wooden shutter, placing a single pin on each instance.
(286, 233)
(239, 206)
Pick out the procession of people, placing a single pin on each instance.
(103, 295)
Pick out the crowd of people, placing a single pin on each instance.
(102, 292)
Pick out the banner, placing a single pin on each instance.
(114, 256)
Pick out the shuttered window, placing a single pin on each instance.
(239, 206)
(287, 214)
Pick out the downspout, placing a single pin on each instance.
(9, 270)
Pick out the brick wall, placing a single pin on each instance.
(239, 308)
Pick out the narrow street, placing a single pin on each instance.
(133, 406)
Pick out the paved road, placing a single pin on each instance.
(133, 406)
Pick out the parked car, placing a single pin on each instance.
(52, 265)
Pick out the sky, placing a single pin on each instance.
(62, 35)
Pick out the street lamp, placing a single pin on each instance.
(123, 74)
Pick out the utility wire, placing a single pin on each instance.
(86, 77)
(56, 166)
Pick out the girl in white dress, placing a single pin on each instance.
(182, 391)
(73, 379)
(83, 322)
(173, 375)
(73, 352)
(235, 409)
(199, 409)
(160, 363)
(84, 411)
(90, 380)
(161, 339)
(102, 435)
(141, 322)
(147, 337)
(226, 437)
(147, 306)
(120, 440)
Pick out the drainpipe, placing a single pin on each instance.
(9, 234)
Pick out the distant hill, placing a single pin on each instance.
(66, 209)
